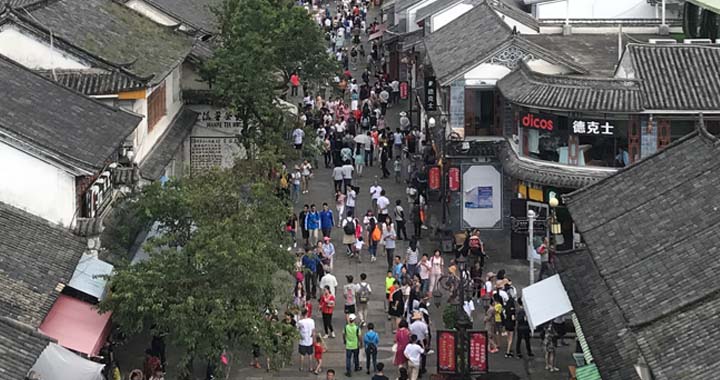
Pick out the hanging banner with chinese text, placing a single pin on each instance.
(404, 90)
(446, 355)
(434, 178)
(454, 179)
(430, 94)
(478, 353)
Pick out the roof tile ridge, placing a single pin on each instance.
(490, 8)
(24, 327)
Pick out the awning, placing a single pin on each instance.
(76, 325)
(711, 5)
(57, 363)
(381, 30)
(545, 301)
(87, 277)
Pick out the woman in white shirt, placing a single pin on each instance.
(388, 237)
(437, 264)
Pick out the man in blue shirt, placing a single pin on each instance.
(312, 224)
(310, 263)
(397, 269)
(326, 220)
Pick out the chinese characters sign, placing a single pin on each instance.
(430, 93)
(454, 179)
(581, 127)
(478, 358)
(446, 360)
(434, 178)
(404, 90)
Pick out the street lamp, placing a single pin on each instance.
(531, 220)
(555, 227)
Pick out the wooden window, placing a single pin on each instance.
(156, 106)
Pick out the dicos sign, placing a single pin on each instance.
(544, 122)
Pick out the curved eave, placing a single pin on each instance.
(572, 94)
(548, 174)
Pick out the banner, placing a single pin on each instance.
(430, 94)
(404, 90)
(446, 355)
(478, 355)
(434, 178)
(454, 179)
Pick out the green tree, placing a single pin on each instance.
(213, 268)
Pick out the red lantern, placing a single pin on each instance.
(454, 179)
(434, 178)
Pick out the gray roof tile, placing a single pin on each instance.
(115, 33)
(35, 256)
(37, 110)
(20, 346)
(651, 232)
(678, 77)
(198, 13)
(95, 82)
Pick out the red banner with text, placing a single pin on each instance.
(478, 359)
(446, 355)
(454, 179)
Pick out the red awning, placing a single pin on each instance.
(77, 325)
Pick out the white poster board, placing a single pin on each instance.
(482, 197)
(545, 300)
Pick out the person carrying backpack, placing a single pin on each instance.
(376, 235)
(363, 296)
(371, 340)
(348, 226)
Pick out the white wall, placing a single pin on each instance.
(488, 72)
(608, 9)
(36, 186)
(144, 141)
(151, 12)
(545, 67)
(33, 53)
(445, 17)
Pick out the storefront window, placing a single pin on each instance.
(574, 141)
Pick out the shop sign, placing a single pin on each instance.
(430, 94)
(404, 90)
(519, 225)
(581, 127)
(478, 359)
(434, 178)
(446, 356)
(538, 121)
(454, 179)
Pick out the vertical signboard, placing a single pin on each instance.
(478, 353)
(434, 178)
(446, 345)
(457, 107)
(454, 179)
(404, 90)
(430, 94)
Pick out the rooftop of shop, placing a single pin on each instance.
(647, 285)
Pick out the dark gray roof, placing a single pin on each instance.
(512, 9)
(115, 33)
(678, 77)
(35, 256)
(20, 346)
(197, 13)
(95, 81)
(570, 93)
(545, 174)
(652, 237)
(597, 53)
(165, 149)
(81, 130)
(463, 43)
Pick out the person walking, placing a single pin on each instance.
(383, 204)
(340, 200)
(306, 171)
(371, 341)
(312, 225)
(329, 280)
(509, 321)
(388, 238)
(489, 322)
(424, 269)
(397, 305)
(301, 224)
(347, 175)
(319, 348)
(327, 220)
(437, 264)
(337, 174)
(399, 213)
(384, 158)
(327, 306)
(348, 226)
(402, 339)
(523, 330)
(310, 263)
(294, 84)
(295, 179)
(412, 255)
(413, 352)
(359, 162)
(375, 191)
(352, 338)
(550, 343)
(351, 200)
(363, 297)
(306, 328)
(350, 295)
(419, 327)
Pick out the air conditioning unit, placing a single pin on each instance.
(697, 41)
(662, 41)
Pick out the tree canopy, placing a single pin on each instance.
(212, 268)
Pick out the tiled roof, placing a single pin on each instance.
(567, 93)
(463, 43)
(434, 8)
(678, 77)
(197, 13)
(95, 82)
(81, 130)
(650, 270)
(165, 149)
(510, 8)
(597, 53)
(35, 256)
(115, 33)
(20, 346)
(547, 174)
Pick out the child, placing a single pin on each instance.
(397, 168)
(359, 243)
(318, 348)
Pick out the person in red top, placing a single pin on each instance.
(327, 306)
(309, 308)
(318, 350)
(295, 83)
